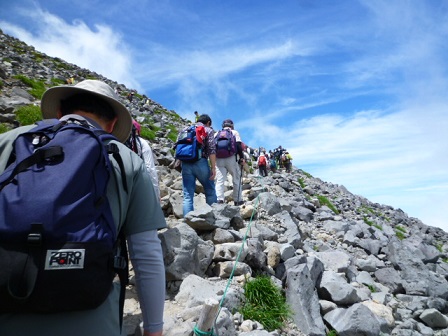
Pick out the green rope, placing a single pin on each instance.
(239, 253)
(198, 332)
(202, 333)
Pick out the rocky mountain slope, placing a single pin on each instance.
(347, 266)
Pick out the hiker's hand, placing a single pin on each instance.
(212, 173)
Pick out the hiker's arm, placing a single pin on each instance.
(212, 159)
(148, 157)
(146, 255)
(239, 150)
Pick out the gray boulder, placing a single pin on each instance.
(302, 297)
(334, 287)
(357, 320)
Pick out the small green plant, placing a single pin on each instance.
(302, 184)
(172, 135)
(265, 303)
(38, 57)
(445, 260)
(439, 247)
(379, 227)
(367, 221)
(307, 174)
(325, 201)
(28, 115)
(60, 64)
(37, 87)
(400, 228)
(173, 115)
(147, 133)
(3, 128)
(400, 234)
(371, 288)
(332, 332)
(366, 210)
(57, 81)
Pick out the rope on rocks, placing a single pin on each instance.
(210, 333)
(198, 332)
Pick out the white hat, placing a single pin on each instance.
(51, 103)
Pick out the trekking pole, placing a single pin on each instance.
(241, 183)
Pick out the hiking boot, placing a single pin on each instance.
(239, 203)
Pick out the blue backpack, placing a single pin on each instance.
(188, 147)
(225, 143)
(59, 247)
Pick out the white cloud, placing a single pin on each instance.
(205, 66)
(396, 158)
(100, 49)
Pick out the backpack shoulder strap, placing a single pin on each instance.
(113, 149)
(121, 266)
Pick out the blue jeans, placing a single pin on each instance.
(190, 172)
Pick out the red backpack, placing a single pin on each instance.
(262, 161)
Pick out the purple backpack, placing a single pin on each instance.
(225, 143)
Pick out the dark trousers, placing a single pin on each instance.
(263, 171)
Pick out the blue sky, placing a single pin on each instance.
(356, 90)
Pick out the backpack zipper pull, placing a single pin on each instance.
(39, 140)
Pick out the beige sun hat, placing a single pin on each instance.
(51, 102)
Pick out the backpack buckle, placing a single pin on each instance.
(112, 148)
(35, 236)
(34, 239)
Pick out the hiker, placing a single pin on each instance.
(93, 103)
(229, 159)
(287, 161)
(272, 164)
(196, 116)
(246, 155)
(246, 166)
(131, 96)
(142, 148)
(203, 169)
(262, 165)
(255, 154)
